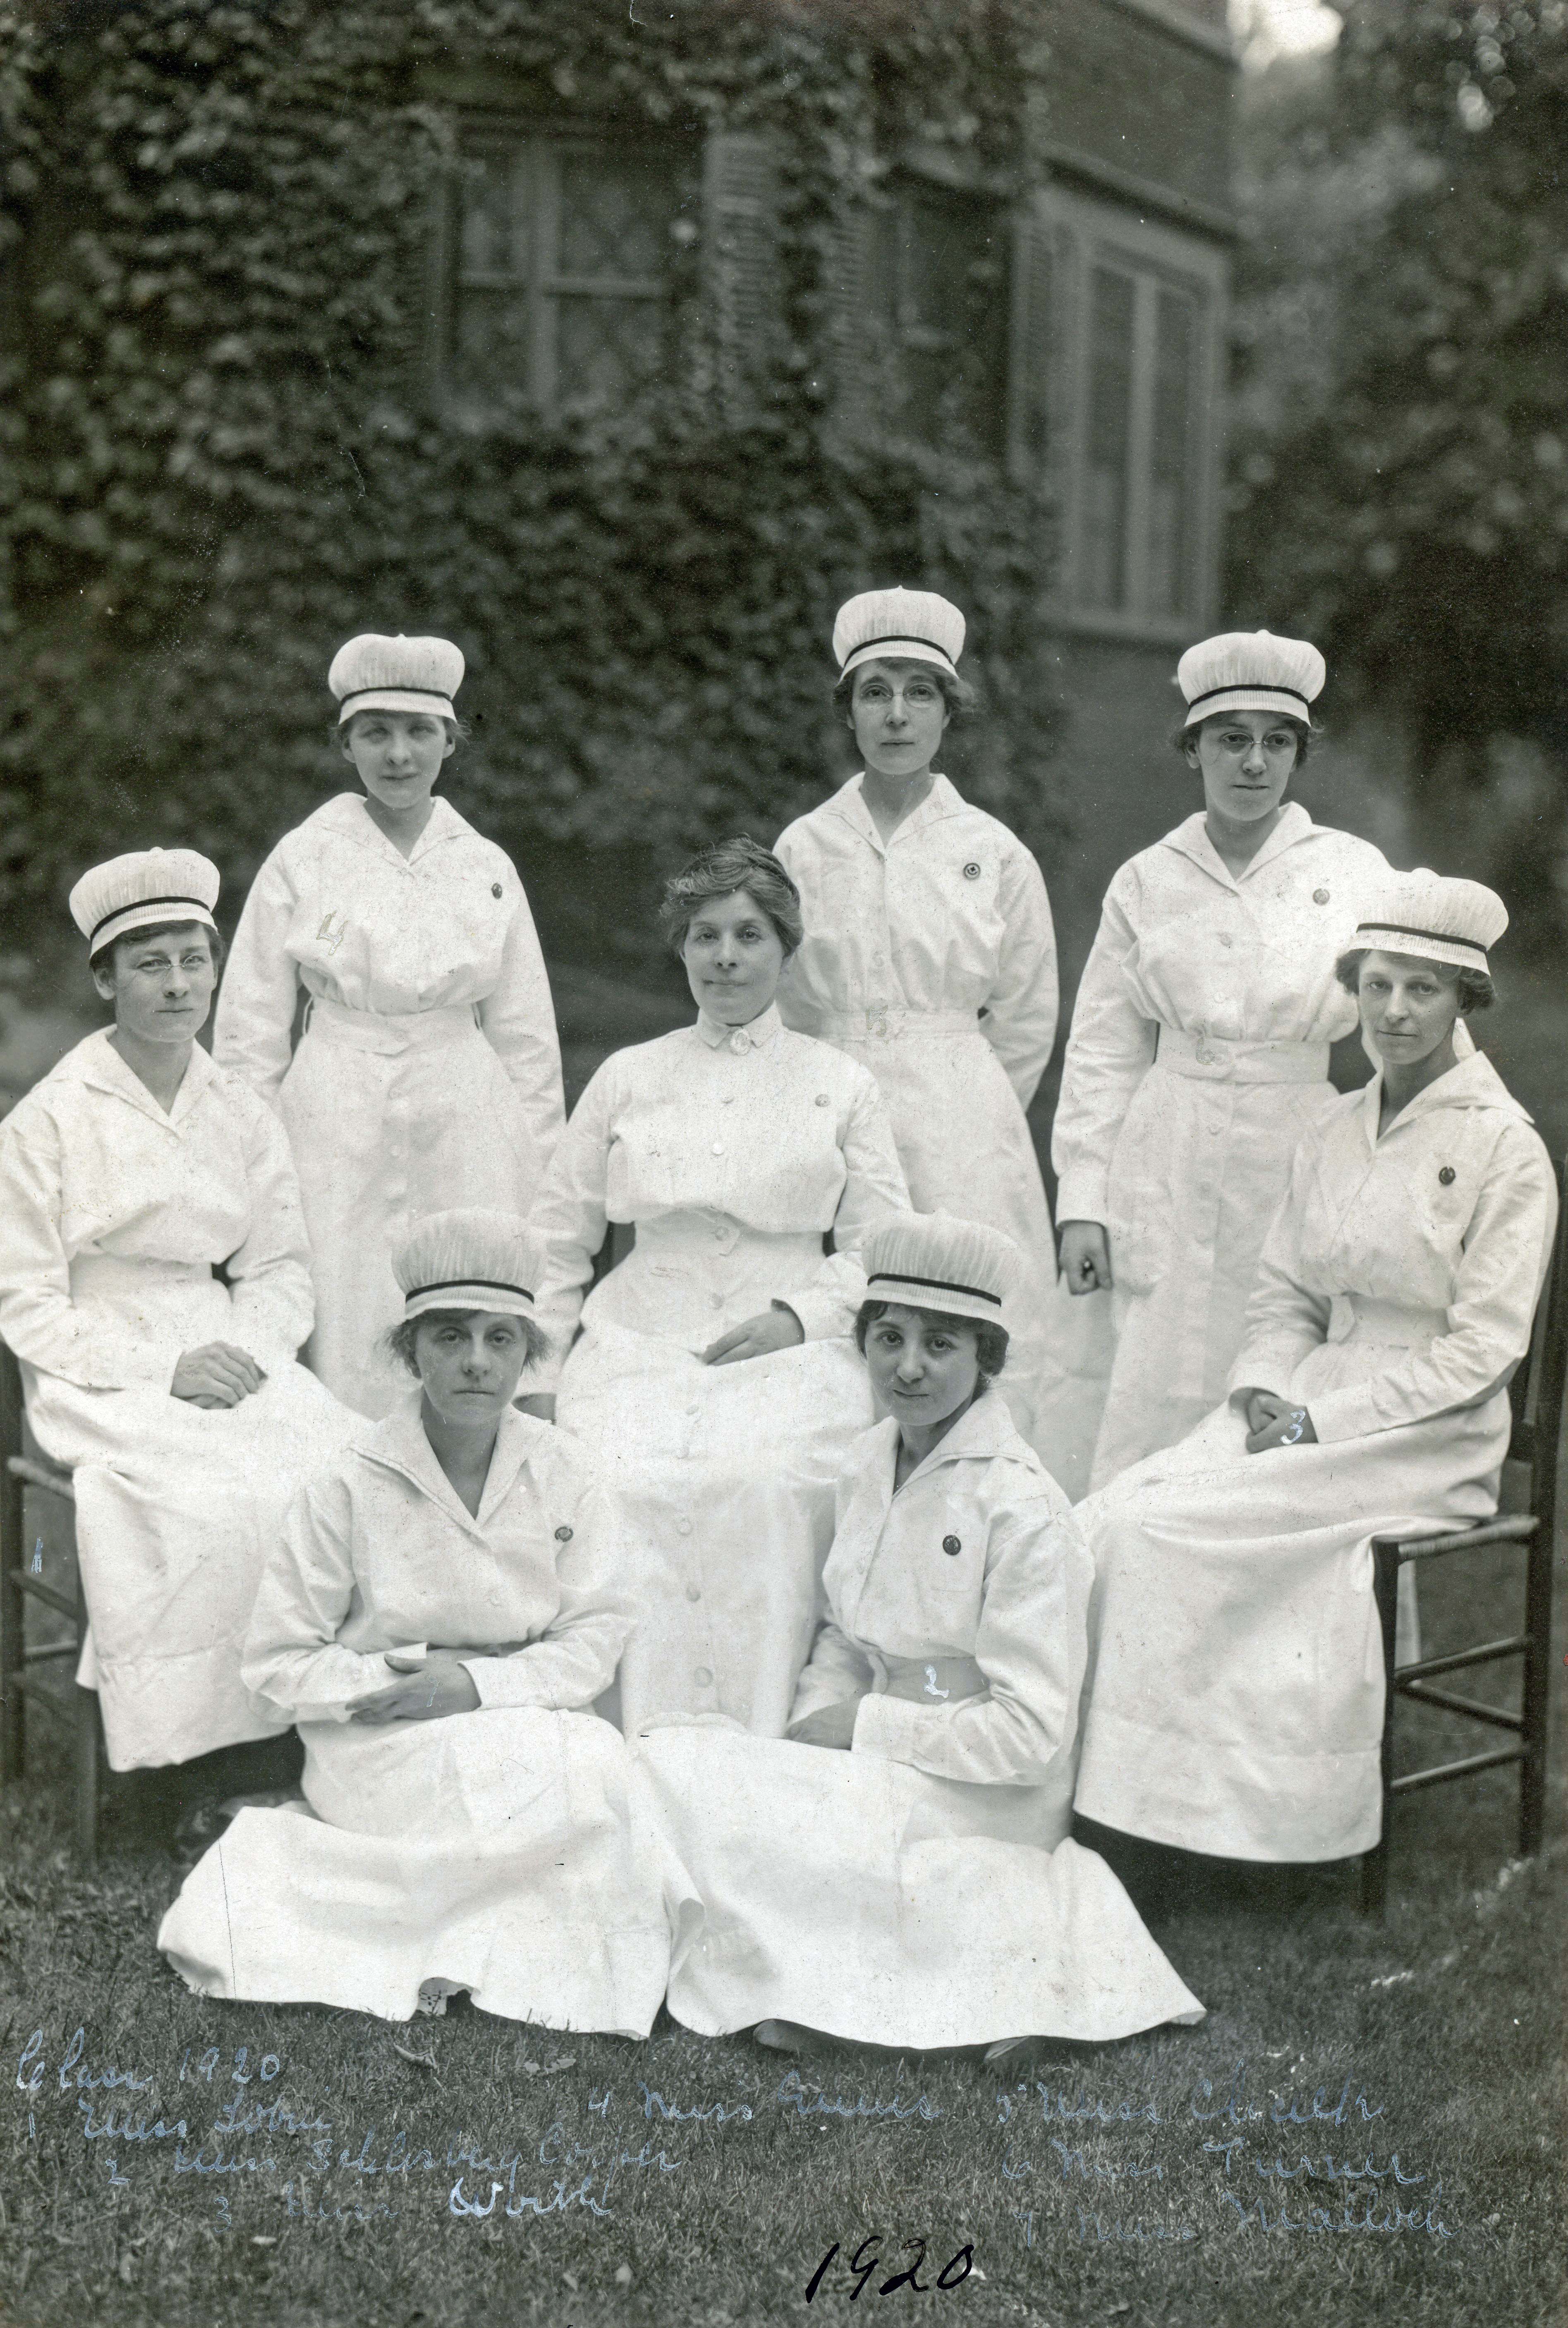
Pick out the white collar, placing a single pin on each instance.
(100, 1066)
(755, 1036)
(399, 1442)
(1469, 1083)
(1191, 840)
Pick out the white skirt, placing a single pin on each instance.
(178, 1509)
(496, 1852)
(1234, 1694)
(390, 1117)
(724, 1477)
(862, 1898)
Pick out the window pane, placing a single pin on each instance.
(1170, 455)
(616, 212)
(607, 349)
(491, 321)
(950, 300)
(1104, 546)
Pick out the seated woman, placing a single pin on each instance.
(437, 1614)
(155, 1284)
(1236, 1700)
(714, 1384)
(920, 1889)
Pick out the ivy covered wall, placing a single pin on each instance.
(222, 453)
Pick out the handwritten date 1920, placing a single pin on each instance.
(953, 2272)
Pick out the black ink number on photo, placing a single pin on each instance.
(950, 2276)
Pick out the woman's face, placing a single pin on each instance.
(1408, 1006)
(733, 956)
(898, 714)
(161, 987)
(1245, 759)
(470, 1366)
(397, 755)
(921, 1370)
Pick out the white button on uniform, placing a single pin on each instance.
(1226, 939)
(694, 1592)
(683, 1527)
(718, 1147)
(704, 1676)
(740, 1041)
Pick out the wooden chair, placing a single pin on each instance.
(40, 1674)
(1530, 1484)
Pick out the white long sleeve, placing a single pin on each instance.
(518, 1019)
(253, 1023)
(1020, 1016)
(1110, 1050)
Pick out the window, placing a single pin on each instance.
(938, 284)
(1133, 351)
(557, 267)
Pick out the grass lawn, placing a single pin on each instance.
(313, 2178)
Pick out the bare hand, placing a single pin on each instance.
(442, 1686)
(542, 1405)
(1085, 1256)
(773, 1329)
(1273, 1421)
(831, 1725)
(218, 1374)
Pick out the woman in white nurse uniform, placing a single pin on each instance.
(130, 1176)
(440, 1613)
(1199, 1056)
(929, 956)
(429, 1071)
(714, 1384)
(1236, 1700)
(920, 1889)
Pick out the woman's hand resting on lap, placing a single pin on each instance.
(216, 1375)
(1273, 1421)
(773, 1330)
(1083, 1256)
(831, 1725)
(442, 1686)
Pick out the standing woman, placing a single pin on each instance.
(1198, 1057)
(130, 1176)
(716, 1386)
(929, 956)
(428, 1074)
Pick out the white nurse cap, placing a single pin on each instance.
(1251, 670)
(472, 1259)
(148, 885)
(915, 626)
(929, 1261)
(372, 673)
(1435, 919)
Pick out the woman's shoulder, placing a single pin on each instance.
(815, 823)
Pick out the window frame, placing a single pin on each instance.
(539, 140)
(1085, 234)
(911, 180)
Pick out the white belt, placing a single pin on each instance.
(389, 1031)
(697, 1237)
(1390, 1321)
(1215, 1058)
(887, 1022)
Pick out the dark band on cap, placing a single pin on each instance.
(134, 906)
(937, 1284)
(394, 687)
(451, 1284)
(899, 639)
(1273, 686)
(1433, 937)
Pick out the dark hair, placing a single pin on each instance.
(1304, 731)
(719, 871)
(990, 1342)
(956, 693)
(399, 1342)
(1476, 991)
(102, 962)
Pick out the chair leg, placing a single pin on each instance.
(1538, 1692)
(13, 1734)
(89, 1748)
(1385, 1566)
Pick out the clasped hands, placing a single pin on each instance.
(217, 1373)
(1274, 1421)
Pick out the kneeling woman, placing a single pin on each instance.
(920, 1889)
(1236, 1703)
(437, 1615)
(130, 1176)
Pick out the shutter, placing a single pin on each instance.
(853, 303)
(740, 215)
(1030, 356)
